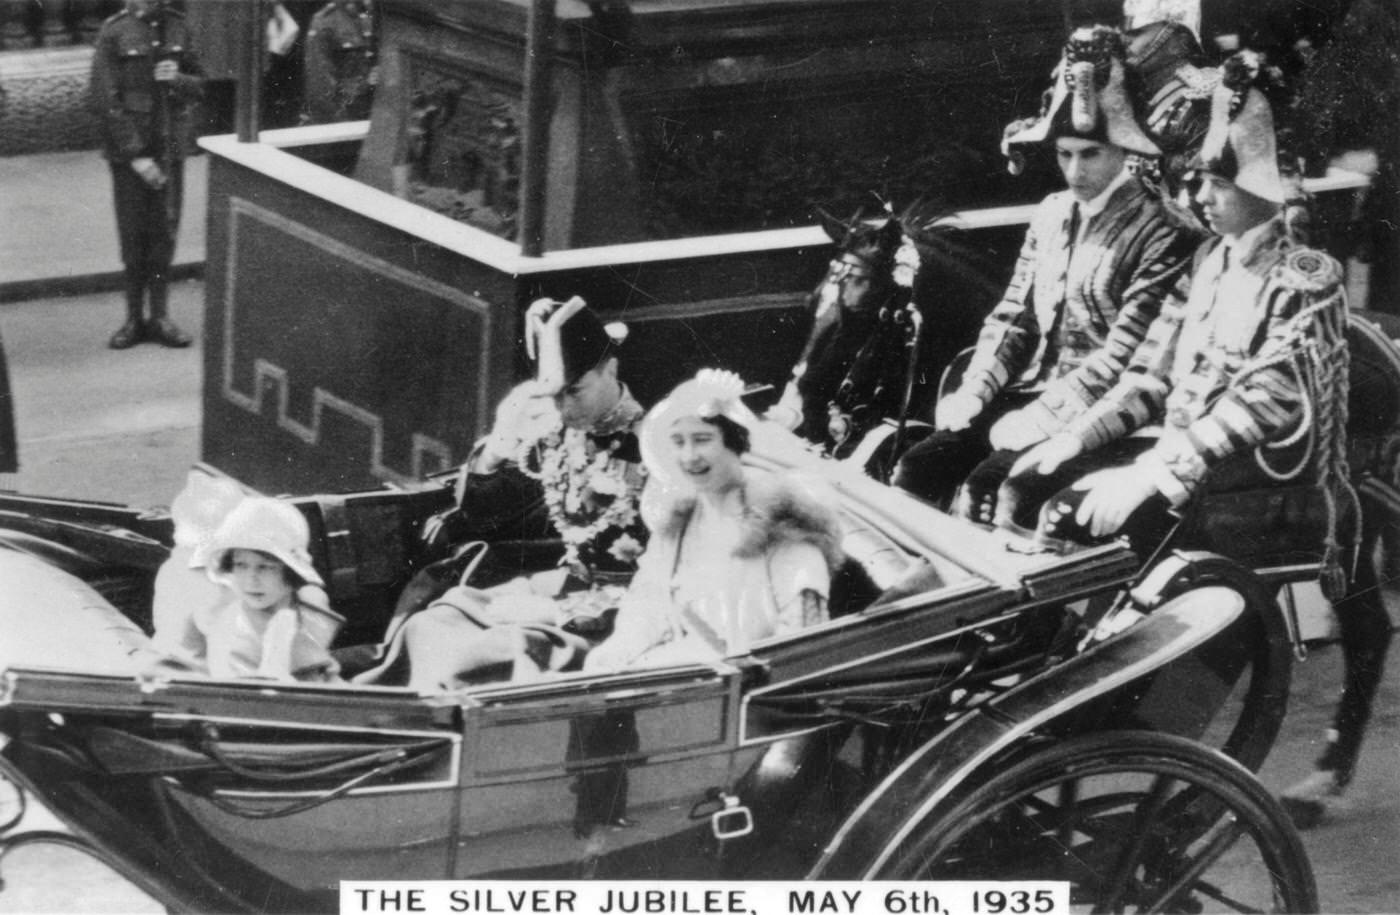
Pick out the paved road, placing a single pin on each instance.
(96, 423)
(125, 426)
(63, 232)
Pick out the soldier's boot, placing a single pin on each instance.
(160, 329)
(134, 330)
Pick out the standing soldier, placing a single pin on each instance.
(146, 82)
(341, 54)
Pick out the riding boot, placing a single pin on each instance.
(161, 329)
(134, 330)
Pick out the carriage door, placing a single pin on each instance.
(596, 776)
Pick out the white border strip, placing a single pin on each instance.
(269, 158)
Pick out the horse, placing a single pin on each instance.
(902, 296)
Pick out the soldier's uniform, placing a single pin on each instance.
(143, 118)
(341, 54)
(581, 486)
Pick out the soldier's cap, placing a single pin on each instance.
(567, 340)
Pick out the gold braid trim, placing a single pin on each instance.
(1315, 349)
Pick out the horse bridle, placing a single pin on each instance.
(847, 266)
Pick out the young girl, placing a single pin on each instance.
(278, 623)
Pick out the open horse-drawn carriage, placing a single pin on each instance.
(975, 708)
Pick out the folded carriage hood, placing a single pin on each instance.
(49, 618)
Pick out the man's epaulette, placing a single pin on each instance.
(1309, 270)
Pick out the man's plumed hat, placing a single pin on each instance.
(1241, 144)
(1090, 98)
(567, 339)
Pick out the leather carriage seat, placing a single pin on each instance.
(366, 546)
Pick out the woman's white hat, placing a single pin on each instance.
(269, 526)
(711, 393)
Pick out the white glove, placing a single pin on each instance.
(1015, 432)
(525, 415)
(957, 411)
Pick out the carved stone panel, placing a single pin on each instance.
(462, 143)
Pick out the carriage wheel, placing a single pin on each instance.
(1243, 674)
(1136, 821)
(12, 804)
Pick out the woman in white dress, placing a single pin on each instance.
(735, 556)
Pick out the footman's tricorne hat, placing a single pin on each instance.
(1240, 144)
(566, 340)
(1090, 99)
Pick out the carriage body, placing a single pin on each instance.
(952, 654)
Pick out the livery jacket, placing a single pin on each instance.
(1226, 371)
(340, 55)
(1073, 316)
(127, 97)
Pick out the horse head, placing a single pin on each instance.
(858, 276)
(893, 376)
(843, 308)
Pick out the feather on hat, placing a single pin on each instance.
(567, 339)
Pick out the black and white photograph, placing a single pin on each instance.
(741, 457)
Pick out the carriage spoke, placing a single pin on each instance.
(1069, 806)
(1221, 837)
(1131, 855)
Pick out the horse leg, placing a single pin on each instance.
(1365, 630)
(1365, 636)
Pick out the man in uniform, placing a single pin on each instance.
(562, 461)
(146, 82)
(562, 455)
(1097, 262)
(1249, 380)
(341, 56)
